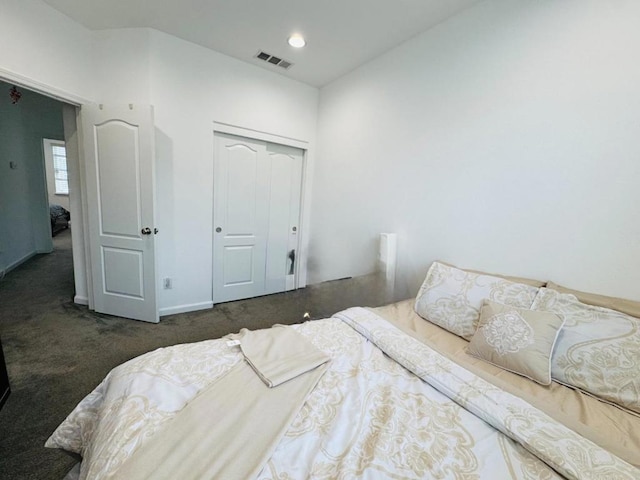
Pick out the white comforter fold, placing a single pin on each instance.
(564, 450)
(387, 407)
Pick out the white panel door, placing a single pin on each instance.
(284, 217)
(241, 209)
(119, 163)
(257, 189)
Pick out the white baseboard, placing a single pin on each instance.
(81, 300)
(192, 307)
(19, 262)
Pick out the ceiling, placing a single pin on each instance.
(340, 34)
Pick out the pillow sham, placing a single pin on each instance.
(516, 339)
(527, 281)
(619, 304)
(452, 298)
(598, 350)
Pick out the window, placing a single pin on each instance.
(60, 175)
(55, 159)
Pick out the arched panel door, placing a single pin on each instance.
(119, 164)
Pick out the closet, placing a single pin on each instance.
(257, 193)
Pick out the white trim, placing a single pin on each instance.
(20, 261)
(77, 206)
(259, 135)
(305, 225)
(76, 160)
(80, 300)
(41, 88)
(192, 307)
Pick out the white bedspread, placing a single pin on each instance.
(387, 407)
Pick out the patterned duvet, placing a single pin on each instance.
(387, 407)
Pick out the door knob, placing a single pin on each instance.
(146, 231)
(218, 230)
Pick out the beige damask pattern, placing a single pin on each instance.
(522, 464)
(598, 350)
(135, 399)
(507, 332)
(452, 298)
(374, 414)
(561, 448)
(517, 340)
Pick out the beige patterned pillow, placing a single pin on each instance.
(623, 305)
(598, 350)
(517, 340)
(451, 298)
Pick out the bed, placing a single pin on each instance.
(388, 394)
(59, 217)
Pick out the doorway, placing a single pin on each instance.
(27, 118)
(257, 205)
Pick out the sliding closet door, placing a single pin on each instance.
(241, 218)
(256, 213)
(284, 216)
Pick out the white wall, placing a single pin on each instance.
(191, 87)
(121, 65)
(504, 139)
(42, 47)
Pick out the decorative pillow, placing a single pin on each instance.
(623, 305)
(517, 340)
(451, 298)
(598, 350)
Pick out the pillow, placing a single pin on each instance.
(620, 304)
(516, 339)
(598, 350)
(451, 298)
(527, 281)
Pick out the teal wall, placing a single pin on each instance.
(24, 210)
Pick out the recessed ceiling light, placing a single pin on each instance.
(296, 40)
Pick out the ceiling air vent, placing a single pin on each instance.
(272, 59)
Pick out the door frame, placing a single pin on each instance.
(305, 192)
(77, 195)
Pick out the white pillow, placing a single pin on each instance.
(598, 350)
(452, 298)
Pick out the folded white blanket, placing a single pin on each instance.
(279, 354)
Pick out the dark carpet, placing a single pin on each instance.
(57, 351)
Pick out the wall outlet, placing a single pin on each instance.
(167, 284)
